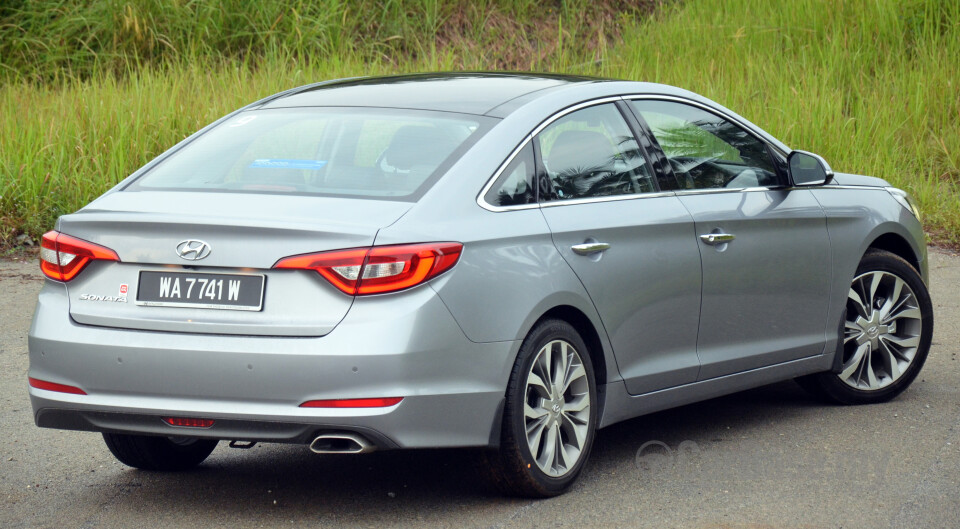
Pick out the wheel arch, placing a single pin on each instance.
(888, 236)
(592, 338)
(897, 245)
(587, 331)
(889, 261)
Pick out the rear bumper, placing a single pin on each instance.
(403, 345)
(53, 415)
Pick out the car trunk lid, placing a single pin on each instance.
(246, 234)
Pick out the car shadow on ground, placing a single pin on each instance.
(709, 421)
(289, 481)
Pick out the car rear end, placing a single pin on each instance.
(236, 291)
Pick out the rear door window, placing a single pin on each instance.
(592, 153)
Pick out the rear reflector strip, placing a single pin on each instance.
(384, 402)
(53, 386)
(188, 423)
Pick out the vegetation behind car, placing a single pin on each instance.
(89, 91)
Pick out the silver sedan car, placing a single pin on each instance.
(468, 260)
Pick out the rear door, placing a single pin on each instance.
(764, 246)
(632, 246)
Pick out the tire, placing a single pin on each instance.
(159, 453)
(526, 466)
(886, 334)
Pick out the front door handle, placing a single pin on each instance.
(588, 248)
(717, 238)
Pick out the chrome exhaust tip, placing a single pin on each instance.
(341, 443)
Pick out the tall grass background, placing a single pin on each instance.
(89, 91)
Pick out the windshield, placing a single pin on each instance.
(365, 153)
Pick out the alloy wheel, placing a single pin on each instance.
(882, 331)
(557, 408)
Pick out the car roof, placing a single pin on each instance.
(462, 92)
(493, 94)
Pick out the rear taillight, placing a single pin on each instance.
(62, 257)
(379, 269)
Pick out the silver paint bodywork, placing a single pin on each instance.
(675, 320)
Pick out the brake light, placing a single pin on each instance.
(62, 257)
(53, 386)
(188, 423)
(379, 269)
(384, 402)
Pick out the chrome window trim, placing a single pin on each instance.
(714, 190)
(634, 196)
(579, 106)
(717, 190)
(841, 186)
(611, 198)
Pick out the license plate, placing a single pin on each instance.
(202, 291)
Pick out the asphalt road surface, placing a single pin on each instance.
(769, 457)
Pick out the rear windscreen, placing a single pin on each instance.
(373, 153)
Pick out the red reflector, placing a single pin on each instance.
(352, 403)
(52, 386)
(188, 423)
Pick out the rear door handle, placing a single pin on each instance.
(717, 238)
(588, 248)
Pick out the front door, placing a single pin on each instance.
(764, 246)
(765, 292)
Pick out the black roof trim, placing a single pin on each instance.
(462, 92)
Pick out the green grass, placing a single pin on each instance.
(84, 101)
(50, 40)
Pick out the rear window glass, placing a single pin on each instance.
(371, 153)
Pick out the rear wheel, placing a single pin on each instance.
(550, 414)
(886, 333)
(159, 453)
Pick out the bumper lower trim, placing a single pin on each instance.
(225, 429)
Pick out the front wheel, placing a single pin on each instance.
(159, 453)
(886, 333)
(550, 414)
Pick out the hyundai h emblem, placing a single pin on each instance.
(193, 249)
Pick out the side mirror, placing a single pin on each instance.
(808, 169)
